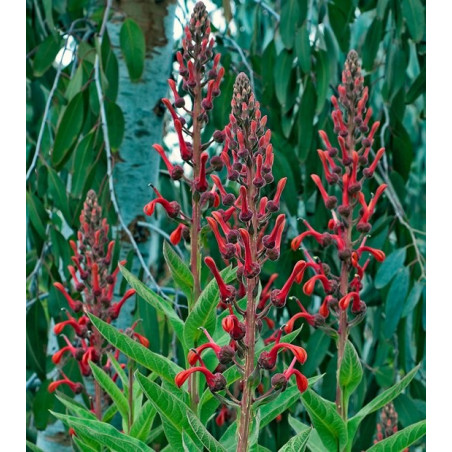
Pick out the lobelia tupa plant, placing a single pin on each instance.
(233, 367)
(92, 280)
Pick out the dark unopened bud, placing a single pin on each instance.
(279, 382)
(226, 354)
(273, 254)
(364, 228)
(218, 136)
(344, 255)
(344, 211)
(266, 361)
(177, 172)
(354, 188)
(217, 163)
(331, 202)
(218, 382)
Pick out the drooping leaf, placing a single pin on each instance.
(209, 442)
(290, 16)
(45, 55)
(298, 443)
(350, 372)
(104, 434)
(83, 158)
(314, 442)
(371, 43)
(159, 303)
(203, 314)
(116, 124)
(413, 297)
(282, 72)
(58, 192)
(181, 274)
(142, 423)
(109, 386)
(134, 350)
(414, 14)
(68, 129)
(379, 402)
(401, 439)
(133, 47)
(303, 48)
(323, 74)
(37, 214)
(306, 120)
(329, 425)
(389, 268)
(395, 300)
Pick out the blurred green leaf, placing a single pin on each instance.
(303, 48)
(45, 55)
(414, 14)
(305, 120)
(350, 372)
(282, 71)
(116, 124)
(389, 268)
(133, 47)
(401, 439)
(58, 193)
(395, 300)
(372, 43)
(298, 443)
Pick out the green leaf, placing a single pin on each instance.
(188, 444)
(74, 407)
(37, 214)
(33, 447)
(170, 407)
(340, 14)
(395, 300)
(297, 443)
(104, 434)
(389, 268)
(281, 72)
(350, 372)
(133, 47)
(203, 314)
(413, 297)
(181, 274)
(401, 439)
(314, 442)
(159, 364)
(395, 72)
(303, 48)
(322, 70)
(379, 401)
(372, 43)
(112, 390)
(209, 442)
(290, 16)
(83, 157)
(417, 88)
(329, 425)
(36, 340)
(159, 303)
(141, 426)
(58, 192)
(115, 121)
(414, 14)
(45, 55)
(306, 119)
(68, 129)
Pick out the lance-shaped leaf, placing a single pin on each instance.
(133, 47)
(156, 301)
(297, 443)
(141, 426)
(401, 439)
(109, 386)
(314, 441)
(350, 373)
(176, 412)
(380, 401)
(181, 274)
(203, 313)
(104, 434)
(74, 407)
(329, 425)
(161, 365)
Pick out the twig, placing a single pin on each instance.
(244, 60)
(268, 9)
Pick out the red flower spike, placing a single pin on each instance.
(258, 180)
(368, 172)
(110, 248)
(262, 206)
(227, 292)
(251, 269)
(75, 305)
(330, 177)
(325, 139)
(95, 279)
(162, 154)
(178, 101)
(279, 297)
(79, 286)
(330, 201)
(227, 250)
(245, 213)
(226, 198)
(269, 240)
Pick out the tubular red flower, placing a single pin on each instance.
(273, 205)
(194, 355)
(345, 301)
(279, 297)
(227, 292)
(220, 240)
(249, 267)
(302, 381)
(176, 235)
(162, 154)
(330, 201)
(185, 152)
(265, 294)
(95, 279)
(345, 157)
(245, 213)
(267, 360)
(75, 305)
(201, 184)
(330, 177)
(325, 139)
(181, 377)
(76, 388)
(116, 308)
(377, 254)
(368, 172)
(56, 358)
(270, 239)
(78, 328)
(309, 285)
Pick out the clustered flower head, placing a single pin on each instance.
(201, 77)
(94, 283)
(347, 166)
(246, 238)
(388, 424)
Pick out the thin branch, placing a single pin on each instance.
(244, 60)
(267, 8)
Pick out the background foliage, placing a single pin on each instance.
(294, 51)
